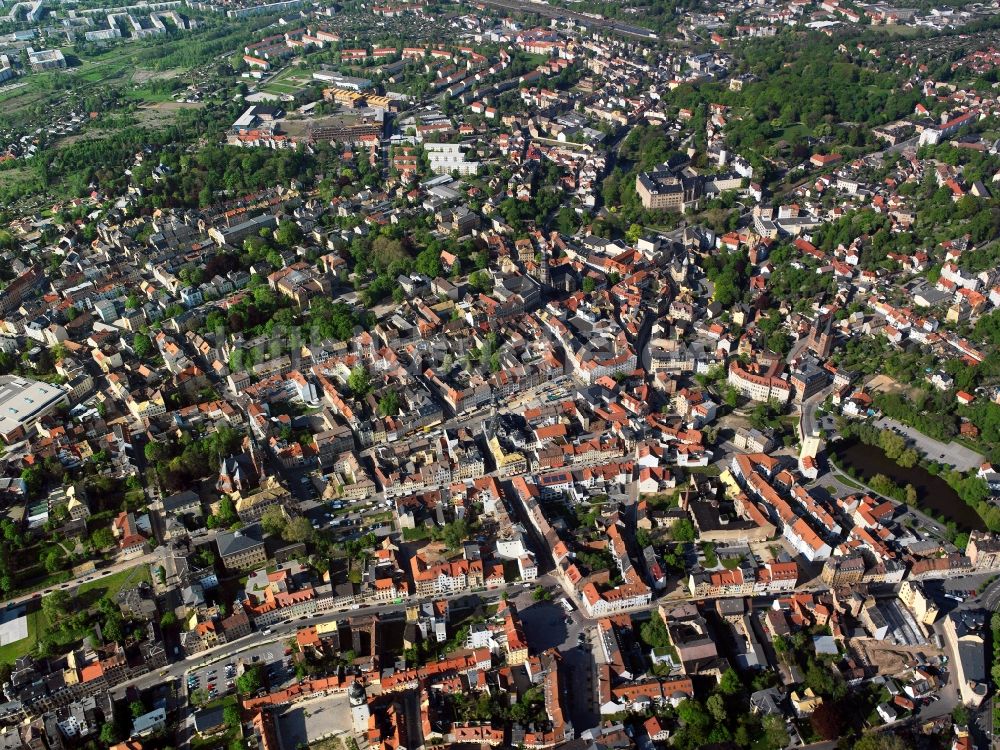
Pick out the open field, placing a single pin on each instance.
(160, 113)
(36, 624)
(110, 585)
(290, 80)
(316, 719)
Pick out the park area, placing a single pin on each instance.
(21, 627)
(19, 631)
(289, 81)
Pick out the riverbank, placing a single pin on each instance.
(930, 494)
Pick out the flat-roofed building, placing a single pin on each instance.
(46, 59)
(23, 402)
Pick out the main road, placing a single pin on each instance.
(551, 11)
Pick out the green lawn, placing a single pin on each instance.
(36, 623)
(416, 535)
(95, 72)
(112, 584)
(280, 88)
(793, 132)
(144, 94)
(901, 30)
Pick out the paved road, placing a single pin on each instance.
(272, 643)
(926, 525)
(116, 567)
(559, 12)
(899, 147)
(807, 416)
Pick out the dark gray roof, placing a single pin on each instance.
(180, 500)
(234, 542)
(208, 719)
(973, 658)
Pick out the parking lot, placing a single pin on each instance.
(315, 719)
(219, 678)
(951, 454)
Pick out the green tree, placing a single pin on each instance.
(54, 558)
(717, 708)
(113, 628)
(892, 444)
(540, 594)
(775, 733)
(109, 735)
(231, 717)
(273, 520)
(683, 530)
(250, 681)
(102, 538)
(141, 345)
(480, 282)
(389, 404)
(730, 683)
(654, 633)
(455, 533)
(642, 538)
(359, 381)
(288, 234)
(428, 262)
(56, 606)
(227, 512)
(137, 709)
(298, 530)
(880, 741)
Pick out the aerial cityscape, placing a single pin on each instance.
(530, 374)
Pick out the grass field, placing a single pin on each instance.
(110, 585)
(280, 88)
(36, 623)
(21, 175)
(900, 30)
(291, 80)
